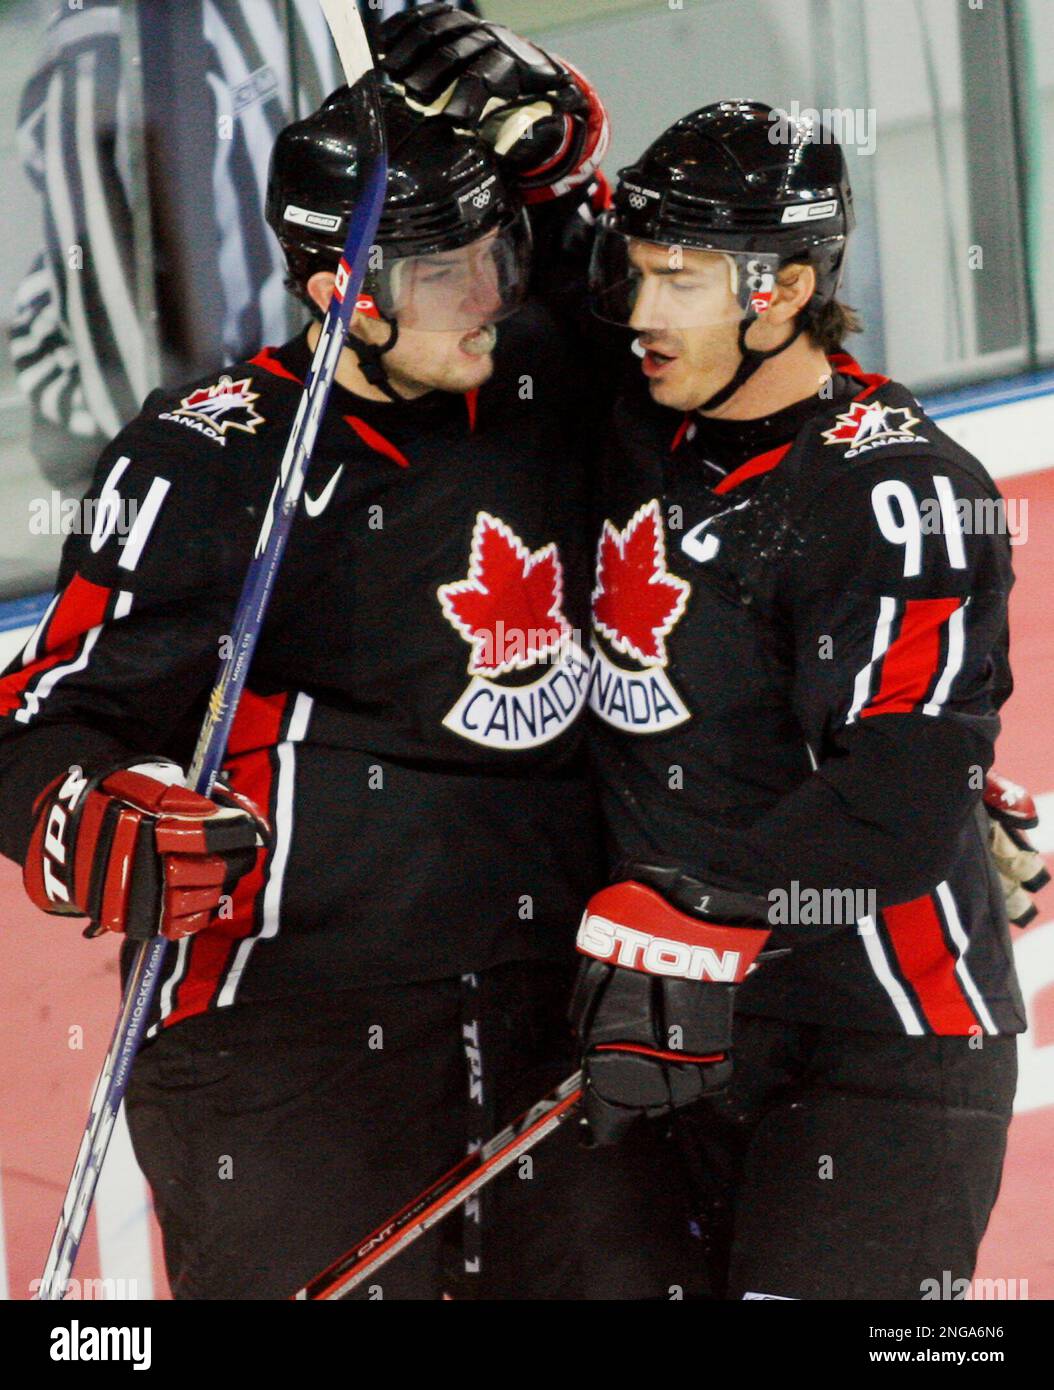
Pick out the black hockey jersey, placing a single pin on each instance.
(796, 682)
(411, 725)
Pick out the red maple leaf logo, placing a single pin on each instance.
(869, 420)
(848, 426)
(637, 601)
(845, 430)
(225, 405)
(509, 607)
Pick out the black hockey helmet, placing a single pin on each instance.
(741, 179)
(453, 246)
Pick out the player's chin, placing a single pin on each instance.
(688, 391)
(671, 392)
(468, 373)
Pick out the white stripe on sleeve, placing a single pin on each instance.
(880, 645)
(283, 837)
(953, 664)
(876, 955)
(962, 945)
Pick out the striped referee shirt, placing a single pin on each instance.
(78, 345)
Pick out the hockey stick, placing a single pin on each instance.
(356, 59)
(446, 1194)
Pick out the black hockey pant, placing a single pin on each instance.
(276, 1135)
(849, 1165)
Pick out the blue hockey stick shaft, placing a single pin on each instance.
(223, 702)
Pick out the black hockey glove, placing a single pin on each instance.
(653, 1006)
(538, 113)
(1011, 811)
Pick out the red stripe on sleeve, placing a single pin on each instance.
(929, 966)
(256, 730)
(912, 661)
(82, 606)
(257, 723)
(210, 950)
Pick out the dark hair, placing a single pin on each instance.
(828, 325)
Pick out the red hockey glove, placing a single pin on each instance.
(653, 1006)
(138, 852)
(1011, 811)
(540, 114)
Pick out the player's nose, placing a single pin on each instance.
(484, 299)
(647, 312)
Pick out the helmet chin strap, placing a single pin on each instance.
(370, 355)
(750, 360)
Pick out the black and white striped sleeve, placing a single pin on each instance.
(76, 339)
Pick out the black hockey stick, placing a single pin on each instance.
(446, 1194)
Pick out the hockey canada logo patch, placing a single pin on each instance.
(870, 426)
(510, 611)
(213, 410)
(637, 603)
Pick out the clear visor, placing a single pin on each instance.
(653, 286)
(461, 289)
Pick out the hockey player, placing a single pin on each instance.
(800, 622)
(386, 981)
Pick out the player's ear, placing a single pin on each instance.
(795, 286)
(320, 288)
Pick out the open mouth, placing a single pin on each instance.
(653, 362)
(479, 341)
